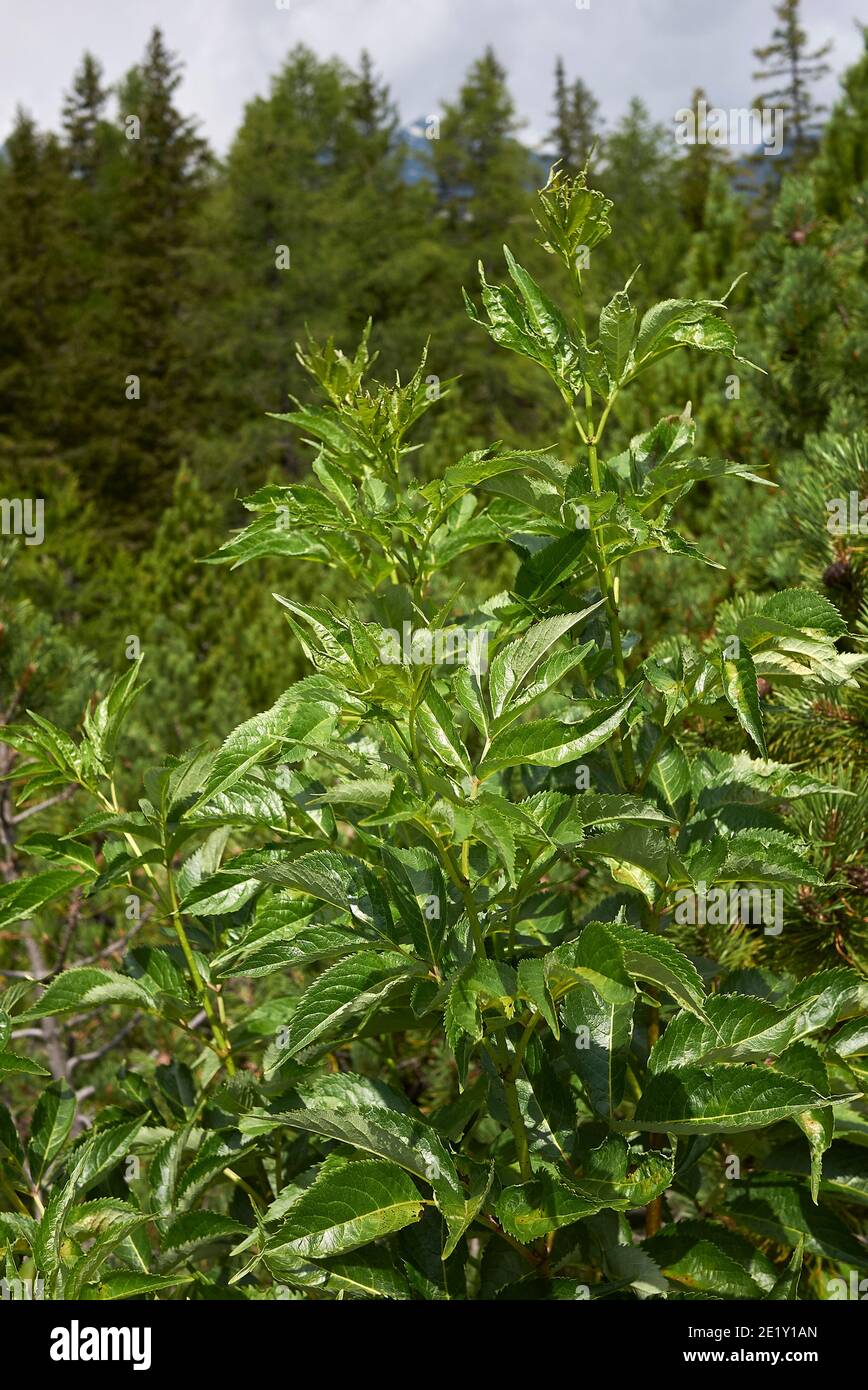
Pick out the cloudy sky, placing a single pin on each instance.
(658, 49)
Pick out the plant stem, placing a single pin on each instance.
(652, 759)
(654, 1209)
(13, 1196)
(498, 1054)
(491, 1225)
(591, 435)
(199, 985)
(461, 882)
(516, 1124)
(245, 1187)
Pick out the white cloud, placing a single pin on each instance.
(657, 49)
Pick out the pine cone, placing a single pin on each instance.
(839, 575)
(857, 877)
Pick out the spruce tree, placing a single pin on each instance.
(792, 68)
(811, 290)
(33, 260)
(640, 171)
(92, 148)
(160, 184)
(702, 157)
(482, 176)
(373, 117)
(277, 259)
(840, 170)
(576, 121)
(84, 119)
(480, 166)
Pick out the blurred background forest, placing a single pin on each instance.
(151, 295)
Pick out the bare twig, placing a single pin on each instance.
(107, 1047)
(49, 801)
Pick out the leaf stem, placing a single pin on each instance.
(199, 985)
(497, 1053)
(654, 1209)
(591, 436)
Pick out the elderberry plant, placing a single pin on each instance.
(460, 844)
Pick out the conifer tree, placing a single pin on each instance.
(92, 149)
(576, 121)
(482, 174)
(840, 170)
(373, 116)
(84, 119)
(702, 157)
(811, 292)
(788, 63)
(480, 166)
(33, 257)
(160, 184)
(276, 257)
(640, 170)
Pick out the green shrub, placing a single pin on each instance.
(409, 948)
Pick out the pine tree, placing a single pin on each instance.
(840, 170)
(92, 149)
(701, 159)
(160, 185)
(207, 672)
(390, 279)
(308, 248)
(810, 286)
(482, 175)
(808, 533)
(84, 120)
(640, 170)
(576, 121)
(373, 118)
(481, 168)
(793, 69)
(33, 257)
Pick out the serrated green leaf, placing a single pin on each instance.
(721, 1100)
(740, 689)
(22, 897)
(551, 743)
(617, 331)
(600, 1048)
(345, 1209)
(124, 1284)
(344, 990)
(195, 1228)
(52, 1121)
(737, 1029)
(13, 1065)
(783, 1212)
(805, 1064)
(87, 986)
(708, 1258)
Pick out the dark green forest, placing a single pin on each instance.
(152, 297)
(158, 304)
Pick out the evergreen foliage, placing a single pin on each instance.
(407, 973)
